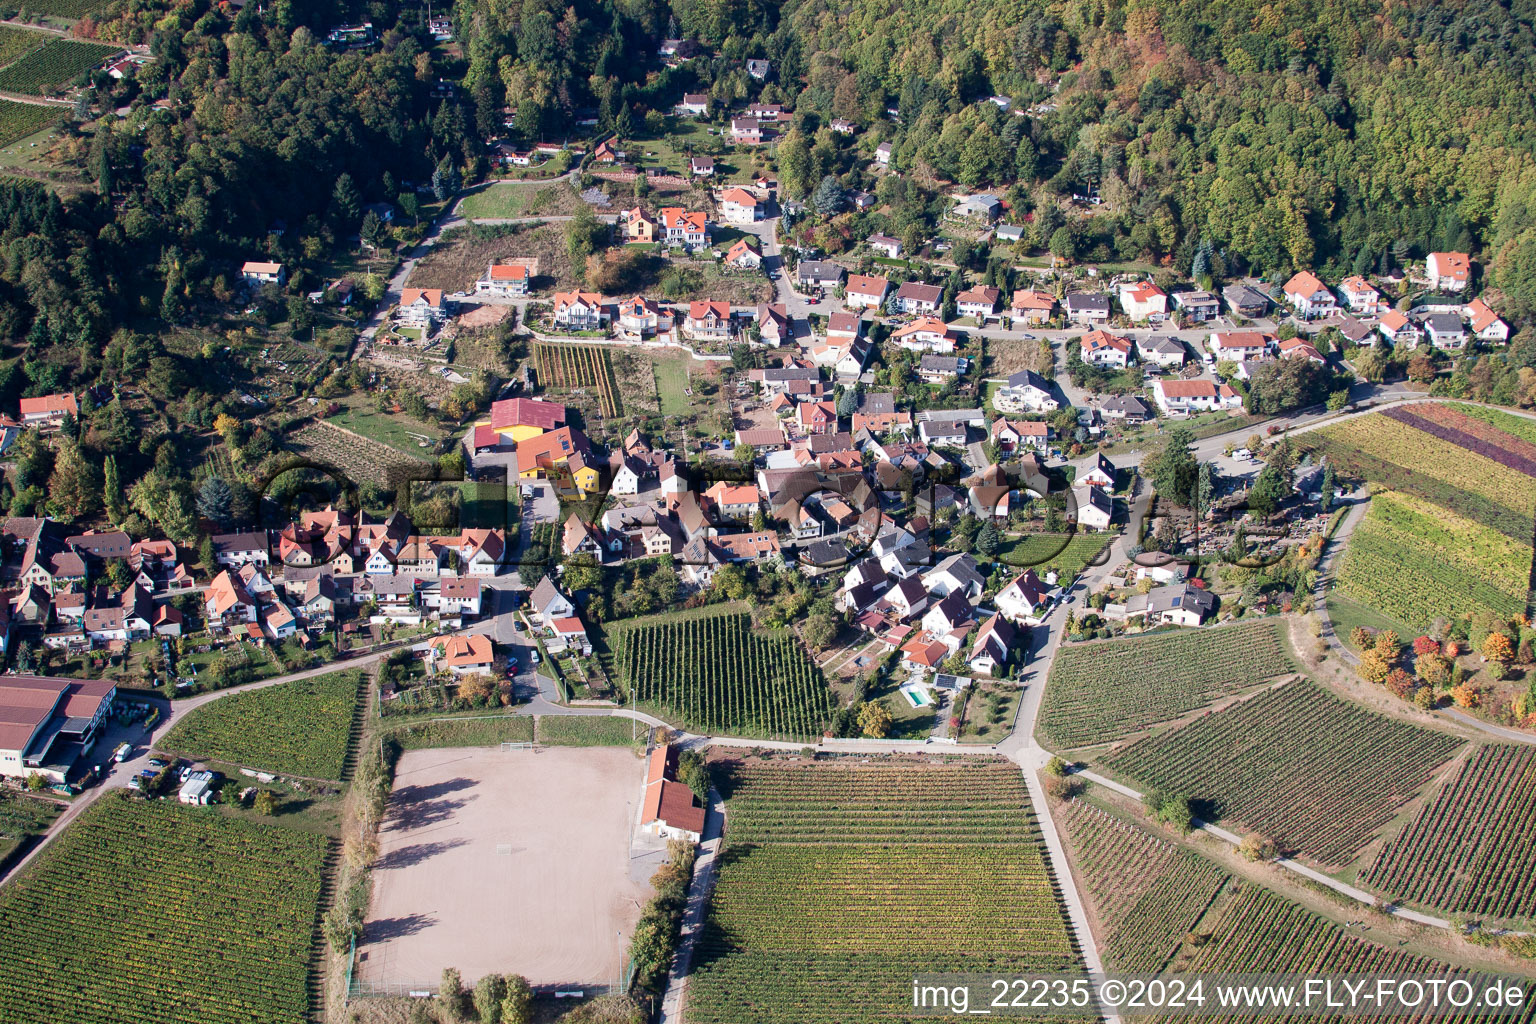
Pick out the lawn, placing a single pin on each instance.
(505, 201)
(589, 731)
(229, 904)
(477, 731)
(1064, 552)
(19, 120)
(302, 727)
(990, 711)
(398, 430)
(1346, 614)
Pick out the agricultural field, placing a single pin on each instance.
(572, 367)
(398, 430)
(56, 64)
(507, 201)
(840, 881)
(1147, 894)
(1314, 773)
(230, 904)
(1472, 849)
(1418, 562)
(302, 728)
(65, 8)
(718, 674)
(1064, 552)
(1508, 423)
(359, 458)
(21, 817)
(18, 120)
(1102, 692)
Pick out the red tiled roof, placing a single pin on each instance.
(526, 412)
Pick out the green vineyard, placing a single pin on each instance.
(1103, 692)
(840, 881)
(147, 911)
(302, 727)
(717, 674)
(1148, 892)
(1315, 773)
(56, 64)
(1472, 849)
(18, 120)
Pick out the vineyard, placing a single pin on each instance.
(571, 367)
(1311, 771)
(14, 42)
(66, 8)
(1147, 893)
(303, 727)
(153, 911)
(1472, 849)
(1418, 562)
(840, 881)
(1413, 461)
(718, 674)
(55, 64)
(1103, 692)
(18, 120)
(357, 457)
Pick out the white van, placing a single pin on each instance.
(121, 753)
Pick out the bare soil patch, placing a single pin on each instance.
(461, 255)
(516, 861)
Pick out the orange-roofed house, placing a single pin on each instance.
(1031, 307)
(522, 418)
(1182, 397)
(580, 311)
(738, 206)
(926, 650)
(979, 302)
(226, 601)
(1143, 300)
(744, 254)
(564, 456)
(639, 226)
(421, 307)
(639, 317)
(1448, 271)
(462, 655)
(689, 229)
(1309, 296)
(48, 410)
(709, 321)
(1292, 348)
(1100, 348)
(733, 501)
(926, 334)
(1486, 324)
(1360, 296)
(508, 280)
(256, 274)
(1399, 330)
(816, 417)
(865, 291)
(669, 808)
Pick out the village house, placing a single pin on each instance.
(548, 604)
(1024, 599)
(912, 297)
(694, 104)
(226, 602)
(1128, 408)
(778, 380)
(1359, 296)
(772, 323)
(639, 317)
(1176, 605)
(1025, 392)
(1197, 307)
(1399, 330)
(680, 227)
(236, 549)
(1301, 348)
(670, 809)
(816, 275)
(1486, 324)
(1446, 331)
(1163, 353)
(990, 650)
(759, 69)
(421, 307)
(1308, 296)
(865, 292)
(506, 280)
(701, 166)
(709, 321)
(563, 455)
(522, 418)
(1448, 271)
(744, 255)
(471, 655)
(1094, 510)
(981, 207)
(256, 274)
(883, 154)
(47, 412)
(1086, 307)
(979, 302)
(1143, 300)
(1100, 473)
(926, 334)
(746, 131)
(1031, 307)
(1239, 347)
(638, 226)
(580, 311)
(1100, 348)
(1245, 301)
(885, 244)
(1183, 397)
(1016, 435)
(738, 206)
(938, 369)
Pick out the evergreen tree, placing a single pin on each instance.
(346, 203)
(829, 198)
(214, 500)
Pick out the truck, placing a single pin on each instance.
(121, 753)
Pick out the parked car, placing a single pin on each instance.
(121, 753)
